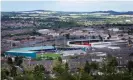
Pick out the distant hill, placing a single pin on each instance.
(115, 12)
(35, 11)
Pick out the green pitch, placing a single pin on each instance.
(48, 56)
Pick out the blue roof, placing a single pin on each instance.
(29, 49)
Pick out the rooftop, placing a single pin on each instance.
(30, 49)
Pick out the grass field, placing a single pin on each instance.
(48, 56)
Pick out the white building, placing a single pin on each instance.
(72, 52)
(44, 31)
(114, 29)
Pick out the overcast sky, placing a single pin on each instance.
(64, 5)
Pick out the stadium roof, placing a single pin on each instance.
(30, 49)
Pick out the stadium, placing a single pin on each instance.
(95, 43)
(33, 52)
(83, 42)
(45, 52)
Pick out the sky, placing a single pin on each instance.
(67, 5)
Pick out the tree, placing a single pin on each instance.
(87, 67)
(86, 76)
(13, 68)
(29, 75)
(39, 72)
(19, 77)
(65, 76)
(58, 69)
(94, 66)
(112, 62)
(9, 61)
(111, 65)
(18, 60)
(4, 74)
(60, 59)
(13, 71)
(116, 76)
(109, 69)
(66, 66)
(130, 66)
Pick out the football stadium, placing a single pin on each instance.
(45, 52)
(34, 52)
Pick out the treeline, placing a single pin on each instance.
(118, 24)
(107, 70)
(31, 33)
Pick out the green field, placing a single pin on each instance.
(48, 56)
